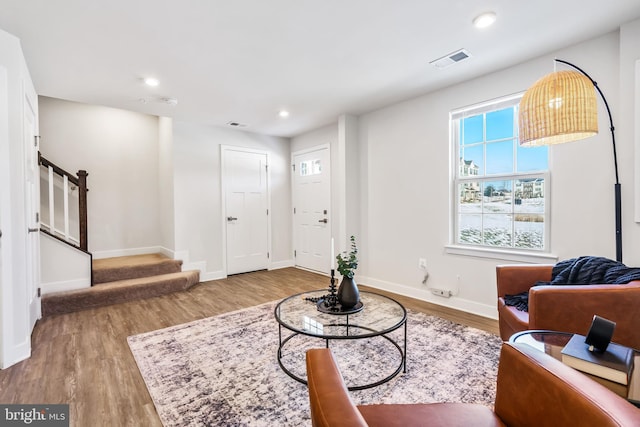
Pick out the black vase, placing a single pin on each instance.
(348, 294)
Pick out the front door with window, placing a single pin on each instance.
(312, 214)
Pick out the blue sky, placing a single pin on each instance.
(499, 127)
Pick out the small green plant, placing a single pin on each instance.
(348, 262)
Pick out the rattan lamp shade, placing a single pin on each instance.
(560, 107)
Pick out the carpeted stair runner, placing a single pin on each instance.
(133, 267)
(123, 279)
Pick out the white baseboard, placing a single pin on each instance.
(66, 285)
(205, 275)
(16, 353)
(282, 264)
(168, 252)
(454, 302)
(212, 275)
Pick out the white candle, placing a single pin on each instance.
(333, 258)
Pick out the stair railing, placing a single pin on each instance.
(68, 183)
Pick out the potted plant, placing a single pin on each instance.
(348, 294)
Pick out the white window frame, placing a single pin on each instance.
(487, 251)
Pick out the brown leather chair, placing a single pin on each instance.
(533, 389)
(567, 308)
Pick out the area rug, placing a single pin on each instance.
(223, 371)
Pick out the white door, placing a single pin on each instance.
(312, 213)
(246, 209)
(32, 204)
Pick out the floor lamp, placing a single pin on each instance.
(562, 107)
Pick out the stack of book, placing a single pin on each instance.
(611, 368)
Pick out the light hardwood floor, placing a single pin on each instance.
(83, 358)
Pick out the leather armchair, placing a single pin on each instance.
(533, 389)
(567, 308)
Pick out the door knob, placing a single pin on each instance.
(231, 218)
(33, 230)
(324, 220)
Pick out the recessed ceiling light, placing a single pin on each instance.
(283, 113)
(484, 20)
(150, 81)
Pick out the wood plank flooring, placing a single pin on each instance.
(83, 358)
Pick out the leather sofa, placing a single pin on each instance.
(533, 389)
(567, 308)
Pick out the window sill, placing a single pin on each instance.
(502, 254)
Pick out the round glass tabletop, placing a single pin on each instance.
(379, 315)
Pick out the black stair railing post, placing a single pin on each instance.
(82, 206)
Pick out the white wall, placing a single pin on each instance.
(197, 194)
(119, 150)
(352, 178)
(62, 267)
(628, 119)
(321, 136)
(406, 198)
(165, 181)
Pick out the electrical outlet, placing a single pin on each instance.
(441, 292)
(422, 263)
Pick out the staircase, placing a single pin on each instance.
(122, 279)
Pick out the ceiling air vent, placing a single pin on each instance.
(451, 58)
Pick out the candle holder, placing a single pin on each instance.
(331, 300)
(330, 304)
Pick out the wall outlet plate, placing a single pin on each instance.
(441, 292)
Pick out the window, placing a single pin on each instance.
(501, 189)
(310, 167)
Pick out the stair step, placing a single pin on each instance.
(118, 292)
(132, 267)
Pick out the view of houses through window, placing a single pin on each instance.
(501, 188)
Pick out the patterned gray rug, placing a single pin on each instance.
(222, 371)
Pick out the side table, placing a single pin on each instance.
(552, 343)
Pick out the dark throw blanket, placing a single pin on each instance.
(585, 270)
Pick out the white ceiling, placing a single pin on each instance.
(244, 60)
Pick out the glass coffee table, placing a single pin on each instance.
(367, 332)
